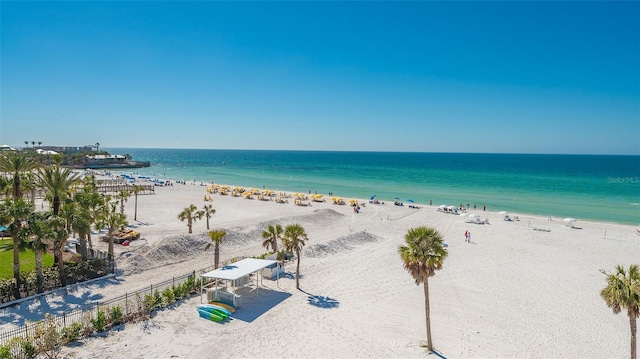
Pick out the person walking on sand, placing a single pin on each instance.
(466, 236)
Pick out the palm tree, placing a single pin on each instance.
(39, 233)
(137, 189)
(623, 291)
(58, 226)
(13, 214)
(294, 240)
(39, 143)
(123, 196)
(190, 214)
(422, 256)
(58, 182)
(79, 220)
(271, 236)
(112, 220)
(87, 201)
(33, 143)
(26, 143)
(30, 184)
(217, 237)
(97, 146)
(16, 165)
(91, 201)
(208, 212)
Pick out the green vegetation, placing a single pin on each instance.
(27, 260)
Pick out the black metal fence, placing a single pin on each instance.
(128, 303)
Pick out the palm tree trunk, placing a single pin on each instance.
(427, 314)
(207, 223)
(57, 251)
(634, 329)
(298, 269)
(56, 205)
(16, 265)
(216, 255)
(16, 187)
(83, 246)
(110, 235)
(33, 198)
(190, 224)
(38, 253)
(89, 240)
(135, 211)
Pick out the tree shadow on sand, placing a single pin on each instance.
(57, 304)
(290, 275)
(321, 301)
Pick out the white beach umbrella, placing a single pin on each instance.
(503, 212)
(569, 221)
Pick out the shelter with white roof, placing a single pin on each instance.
(234, 275)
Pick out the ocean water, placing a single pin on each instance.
(586, 187)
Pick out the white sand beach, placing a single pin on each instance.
(513, 292)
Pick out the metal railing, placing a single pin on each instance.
(127, 302)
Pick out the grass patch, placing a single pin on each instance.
(27, 260)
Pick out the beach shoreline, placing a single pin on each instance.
(511, 292)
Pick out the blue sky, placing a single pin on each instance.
(505, 77)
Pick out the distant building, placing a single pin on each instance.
(106, 160)
(66, 149)
(112, 161)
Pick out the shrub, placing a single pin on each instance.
(178, 291)
(100, 321)
(168, 296)
(5, 352)
(115, 315)
(19, 347)
(46, 338)
(6, 289)
(157, 299)
(71, 333)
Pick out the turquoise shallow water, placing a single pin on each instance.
(602, 188)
